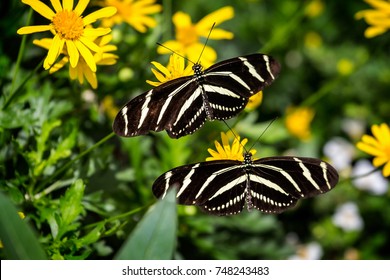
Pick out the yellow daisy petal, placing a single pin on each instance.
(43, 43)
(73, 53)
(33, 29)
(57, 66)
(161, 68)
(168, 46)
(102, 13)
(213, 154)
(90, 77)
(379, 4)
(209, 56)
(368, 139)
(81, 6)
(368, 149)
(41, 8)
(181, 20)
(217, 17)
(220, 149)
(374, 31)
(73, 73)
(219, 34)
(86, 54)
(56, 5)
(90, 44)
(386, 169)
(382, 133)
(67, 5)
(54, 52)
(379, 161)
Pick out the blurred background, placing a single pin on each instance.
(85, 204)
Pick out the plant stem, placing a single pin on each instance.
(69, 164)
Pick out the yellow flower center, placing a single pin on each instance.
(68, 25)
(187, 35)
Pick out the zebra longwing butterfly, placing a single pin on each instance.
(272, 184)
(181, 106)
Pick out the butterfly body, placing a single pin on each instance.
(181, 106)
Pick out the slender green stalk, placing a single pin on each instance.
(20, 87)
(167, 15)
(283, 33)
(120, 216)
(55, 186)
(323, 91)
(70, 163)
(13, 93)
(21, 51)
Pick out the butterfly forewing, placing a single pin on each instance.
(154, 109)
(278, 182)
(270, 185)
(183, 105)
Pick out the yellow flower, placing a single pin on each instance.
(70, 30)
(345, 67)
(134, 12)
(254, 101)
(313, 40)
(298, 122)
(378, 146)
(188, 35)
(108, 106)
(175, 69)
(225, 151)
(378, 18)
(314, 8)
(82, 70)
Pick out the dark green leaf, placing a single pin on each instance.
(19, 240)
(154, 236)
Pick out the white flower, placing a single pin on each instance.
(340, 152)
(309, 251)
(374, 183)
(355, 128)
(347, 217)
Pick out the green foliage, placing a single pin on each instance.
(154, 236)
(85, 192)
(18, 238)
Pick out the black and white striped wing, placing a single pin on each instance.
(207, 184)
(270, 185)
(183, 105)
(277, 183)
(175, 106)
(230, 83)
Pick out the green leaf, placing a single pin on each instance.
(70, 204)
(155, 235)
(19, 239)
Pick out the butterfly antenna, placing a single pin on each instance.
(186, 58)
(235, 135)
(205, 44)
(258, 138)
